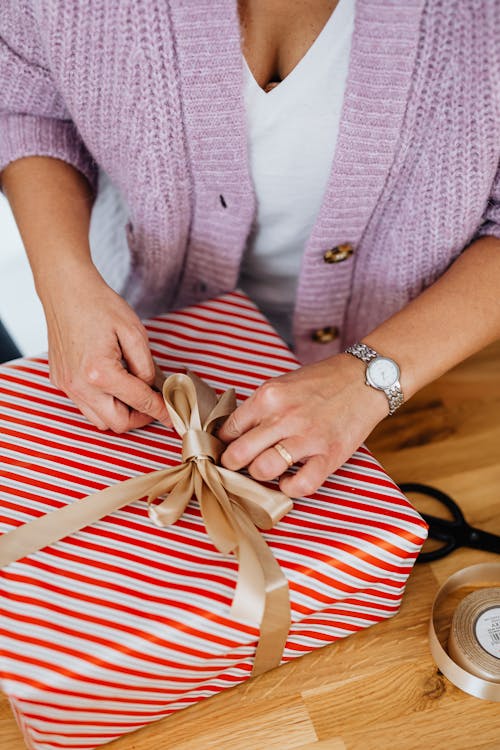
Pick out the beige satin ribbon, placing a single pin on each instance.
(485, 573)
(231, 504)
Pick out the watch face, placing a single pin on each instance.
(382, 373)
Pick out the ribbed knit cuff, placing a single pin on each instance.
(491, 225)
(490, 229)
(491, 218)
(28, 135)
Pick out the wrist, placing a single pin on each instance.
(63, 277)
(368, 401)
(70, 285)
(382, 373)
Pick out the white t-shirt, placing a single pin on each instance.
(292, 133)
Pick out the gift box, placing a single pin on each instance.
(123, 622)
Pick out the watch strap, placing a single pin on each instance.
(394, 396)
(363, 352)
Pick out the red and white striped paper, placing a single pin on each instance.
(124, 623)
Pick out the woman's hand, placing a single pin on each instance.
(99, 354)
(320, 413)
(92, 331)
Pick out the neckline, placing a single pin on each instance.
(381, 77)
(300, 64)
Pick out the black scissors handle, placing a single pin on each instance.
(442, 497)
(454, 533)
(478, 539)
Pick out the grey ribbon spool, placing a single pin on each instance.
(471, 663)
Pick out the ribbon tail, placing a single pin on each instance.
(264, 506)
(216, 508)
(261, 595)
(249, 599)
(276, 615)
(273, 631)
(179, 486)
(231, 532)
(53, 526)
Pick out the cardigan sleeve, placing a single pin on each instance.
(33, 118)
(491, 217)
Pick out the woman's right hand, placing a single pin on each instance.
(92, 331)
(99, 353)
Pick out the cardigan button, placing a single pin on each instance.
(325, 335)
(199, 287)
(338, 253)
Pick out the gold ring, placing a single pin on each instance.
(284, 454)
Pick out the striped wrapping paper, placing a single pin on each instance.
(124, 623)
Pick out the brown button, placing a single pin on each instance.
(325, 335)
(338, 253)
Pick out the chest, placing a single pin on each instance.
(155, 91)
(276, 34)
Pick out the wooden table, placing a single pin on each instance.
(378, 689)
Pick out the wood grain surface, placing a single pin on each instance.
(377, 689)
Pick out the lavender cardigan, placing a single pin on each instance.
(152, 92)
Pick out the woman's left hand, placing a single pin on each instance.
(320, 413)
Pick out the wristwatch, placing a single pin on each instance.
(381, 373)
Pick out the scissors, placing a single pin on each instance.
(454, 533)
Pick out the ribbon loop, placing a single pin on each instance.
(180, 399)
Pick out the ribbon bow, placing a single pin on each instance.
(232, 505)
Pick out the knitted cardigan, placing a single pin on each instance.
(152, 93)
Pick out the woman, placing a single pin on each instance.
(396, 243)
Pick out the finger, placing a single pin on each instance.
(160, 377)
(116, 415)
(239, 422)
(113, 416)
(117, 419)
(133, 392)
(135, 349)
(242, 451)
(81, 403)
(114, 380)
(137, 419)
(308, 478)
(91, 415)
(271, 464)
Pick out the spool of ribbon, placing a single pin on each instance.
(473, 659)
(232, 506)
(474, 641)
